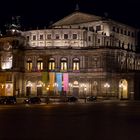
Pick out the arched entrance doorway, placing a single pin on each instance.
(94, 88)
(39, 88)
(123, 89)
(28, 88)
(75, 89)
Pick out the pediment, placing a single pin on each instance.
(77, 18)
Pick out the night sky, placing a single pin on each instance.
(39, 13)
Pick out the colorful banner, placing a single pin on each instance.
(59, 81)
(3, 78)
(45, 77)
(52, 81)
(2, 84)
(65, 82)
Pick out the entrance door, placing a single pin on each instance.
(39, 91)
(75, 91)
(28, 91)
(123, 89)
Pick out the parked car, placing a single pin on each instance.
(71, 99)
(91, 98)
(32, 100)
(8, 100)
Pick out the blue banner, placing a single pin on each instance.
(59, 81)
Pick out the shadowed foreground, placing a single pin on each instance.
(102, 121)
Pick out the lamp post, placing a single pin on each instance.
(85, 89)
(47, 89)
(106, 85)
(82, 90)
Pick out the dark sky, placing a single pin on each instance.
(39, 13)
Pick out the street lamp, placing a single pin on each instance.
(106, 86)
(85, 89)
(47, 89)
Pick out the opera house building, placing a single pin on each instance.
(80, 55)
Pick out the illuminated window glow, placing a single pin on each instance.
(40, 64)
(76, 64)
(63, 64)
(6, 61)
(52, 64)
(29, 65)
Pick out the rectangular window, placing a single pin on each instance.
(57, 36)
(98, 28)
(41, 37)
(74, 36)
(34, 37)
(125, 32)
(28, 38)
(49, 36)
(65, 36)
(89, 38)
(128, 33)
(132, 34)
(121, 31)
(91, 29)
(114, 29)
(118, 30)
(98, 41)
(41, 43)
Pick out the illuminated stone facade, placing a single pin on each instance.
(97, 54)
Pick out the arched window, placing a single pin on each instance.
(28, 84)
(76, 64)
(39, 64)
(64, 64)
(29, 64)
(51, 64)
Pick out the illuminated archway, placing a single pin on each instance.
(123, 89)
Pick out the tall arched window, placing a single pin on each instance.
(76, 64)
(39, 64)
(29, 64)
(64, 65)
(51, 64)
